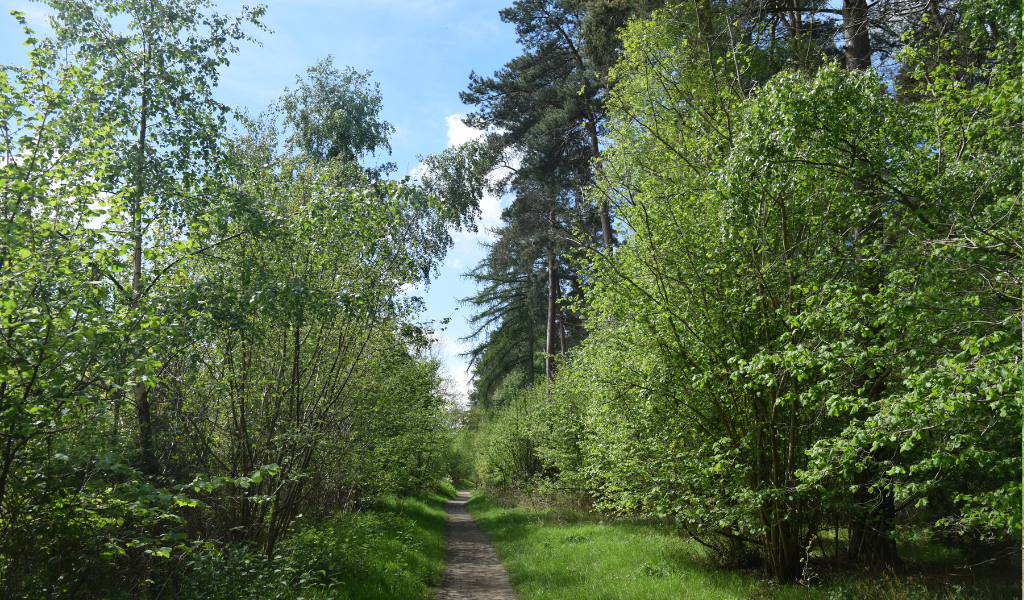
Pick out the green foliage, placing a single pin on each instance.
(461, 453)
(80, 327)
(245, 306)
(812, 320)
(393, 548)
(459, 176)
(335, 115)
(507, 443)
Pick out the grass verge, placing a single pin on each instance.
(550, 559)
(394, 549)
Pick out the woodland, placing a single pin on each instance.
(761, 279)
(759, 283)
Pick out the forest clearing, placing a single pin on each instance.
(748, 321)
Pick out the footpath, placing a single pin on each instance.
(474, 571)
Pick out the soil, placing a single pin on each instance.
(474, 571)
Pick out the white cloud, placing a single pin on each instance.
(453, 366)
(455, 263)
(490, 211)
(458, 132)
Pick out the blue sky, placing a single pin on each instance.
(420, 51)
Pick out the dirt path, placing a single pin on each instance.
(474, 571)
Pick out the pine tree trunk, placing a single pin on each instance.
(855, 32)
(606, 221)
(549, 367)
(529, 364)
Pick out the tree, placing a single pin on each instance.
(159, 73)
(307, 359)
(82, 323)
(336, 115)
(210, 282)
(544, 114)
(305, 364)
(779, 345)
(549, 99)
(60, 340)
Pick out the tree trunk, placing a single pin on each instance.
(529, 364)
(855, 32)
(141, 393)
(549, 367)
(607, 234)
(871, 542)
(781, 549)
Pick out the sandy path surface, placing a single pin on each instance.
(474, 571)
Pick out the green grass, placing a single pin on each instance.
(599, 561)
(393, 549)
(549, 558)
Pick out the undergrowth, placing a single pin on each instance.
(393, 549)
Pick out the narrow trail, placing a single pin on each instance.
(474, 571)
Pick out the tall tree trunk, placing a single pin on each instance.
(529, 363)
(549, 367)
(561, 333)
(606, 221)
(855, 32)
(141, 393)
(553, 289)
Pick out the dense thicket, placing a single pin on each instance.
(204, 337)
(811, 320)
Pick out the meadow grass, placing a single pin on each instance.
(551, 558)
